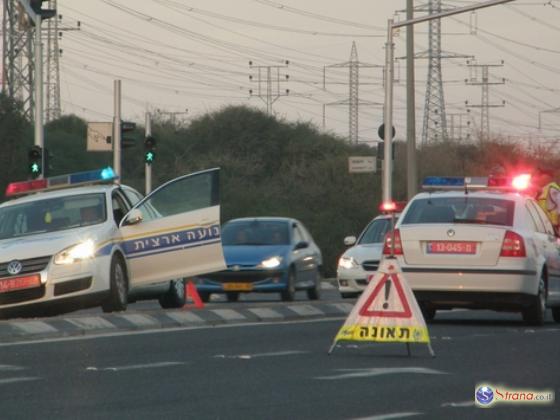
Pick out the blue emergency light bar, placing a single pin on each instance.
(454, 182)
(62, 181)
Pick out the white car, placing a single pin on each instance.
(478, 249)
(362, 259)
(81, 241)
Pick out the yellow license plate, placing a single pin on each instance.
(238, 287)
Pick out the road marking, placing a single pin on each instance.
(305, 310)
(366, 373)
(91, 323)
(139, 320)
(469, 403)
(34, 327)
(135, 367)
(10, 368)
(228, 314)
(253, 356)
(6, 381)
(265, 313)
(390, 416)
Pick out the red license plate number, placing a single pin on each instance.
(19, 283)
(451, 247)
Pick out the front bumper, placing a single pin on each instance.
(254, 280)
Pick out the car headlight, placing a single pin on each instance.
(79, 252)
(271, 262)
(347, 262)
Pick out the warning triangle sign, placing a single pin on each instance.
(387, 311)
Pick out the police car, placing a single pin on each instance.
(82, 238)
(478, 243)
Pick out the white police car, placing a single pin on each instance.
(477, 243)
(81, 238)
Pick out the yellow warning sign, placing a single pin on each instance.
(386, 311)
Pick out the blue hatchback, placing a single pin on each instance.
(265, 254)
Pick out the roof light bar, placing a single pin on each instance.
(454, 182)
(62, 181)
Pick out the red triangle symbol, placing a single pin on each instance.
(405, 313)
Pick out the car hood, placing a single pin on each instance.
(365, 252)
(43, 244)
(252, 254)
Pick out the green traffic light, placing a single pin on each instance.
(149, 157)
(35, 168)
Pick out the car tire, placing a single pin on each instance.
(232, 296)
(314, 292)
(556, 314)
(349, 295)
(118, 293)
(205, 296)
(534, 314)
(289, 294)
(175, 296)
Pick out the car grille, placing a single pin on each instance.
(31, 265)
(22, 295)
(370, 265)
(241, 276)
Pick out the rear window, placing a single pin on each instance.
(466, 209)
(375, 231)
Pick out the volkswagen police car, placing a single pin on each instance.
(478, 243)
(82, 238)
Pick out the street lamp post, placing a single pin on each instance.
(387, 169)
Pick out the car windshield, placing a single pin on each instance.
(51, 215)
(375, 231)
(465, 209)
(256, 232)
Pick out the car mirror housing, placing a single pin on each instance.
(301, 245)
(133, 218)
(349, 240)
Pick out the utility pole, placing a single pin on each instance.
(353, 100)
(53, 109)
(387, 169)
(271, 91)
(411, 166)
(117, 129)
(484, 82)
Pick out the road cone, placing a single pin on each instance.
(192, 293)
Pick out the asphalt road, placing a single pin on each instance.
(281, 371)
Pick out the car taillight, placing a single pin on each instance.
(397, 248)
(513, 245)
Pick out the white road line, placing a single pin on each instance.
(10, 368)
(366, 373)
(34, 327)
(254, 356)
(390, 416)
(135, 367)
(469, 403)
(6, 381)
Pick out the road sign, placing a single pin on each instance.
(362, 164)
(99, 136)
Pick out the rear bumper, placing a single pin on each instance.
(474, 300)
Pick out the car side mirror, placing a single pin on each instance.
(301, 245)
(133, 217)
(349, 240)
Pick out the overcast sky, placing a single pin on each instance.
(173, 55)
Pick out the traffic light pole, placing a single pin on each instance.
(39, 133)
(387, 172)
(117, 130)
(148, 167)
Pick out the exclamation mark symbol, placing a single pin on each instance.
(387, 291)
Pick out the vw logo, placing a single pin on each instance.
(450, 233)
(235, 268)
(14, 267)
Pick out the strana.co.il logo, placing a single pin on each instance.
(484, 395)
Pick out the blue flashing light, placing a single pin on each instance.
(105, 174)
(444, 181)
(108, 173)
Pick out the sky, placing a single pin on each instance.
(184, 58)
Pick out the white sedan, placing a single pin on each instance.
(83, 239)
(482, 249)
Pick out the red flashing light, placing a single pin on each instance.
(521, 182)
(16, 188)
(392, 206)
(388, 244)
(513, 245)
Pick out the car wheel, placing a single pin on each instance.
(118, 293)
(314, 293)
(349, 295)
(534, 314)
(428, 312)
(556, 314)
(289, 294)
(175, 296)
(232, 296)
(204, 296)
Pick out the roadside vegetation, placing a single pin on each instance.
(270, 167)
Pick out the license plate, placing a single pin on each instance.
(451, 247)
(238, 287)
(19, 283)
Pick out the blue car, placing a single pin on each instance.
(265, 254)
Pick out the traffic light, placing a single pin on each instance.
(149, 146)
(127, 127)
(37, 5)
(35, 161)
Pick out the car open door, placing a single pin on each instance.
(179, 231)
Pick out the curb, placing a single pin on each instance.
(70, 326)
